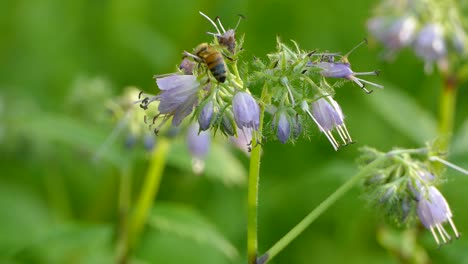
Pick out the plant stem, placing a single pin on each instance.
(124, 207)
(320, 209)
(149, 191)
(447, 104)
(252, 200)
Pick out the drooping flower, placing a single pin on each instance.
(433, 211)
(199, 145)
(243, 141)
(177, 98)
(328, 116)
(343, 70)
(283, 128)
(246, 111)
(430, 45)
(206, 115)
(394, 33)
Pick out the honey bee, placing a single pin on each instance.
(212, 58)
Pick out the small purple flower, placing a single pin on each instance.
(178, 96)
(199, 145)
(343, 70)
(246, 111)
(393, 33)
(206, 115)
(149, 141)
(187, 66)
(430, 45)
(433, 211)
(283, 128)
(327, 114)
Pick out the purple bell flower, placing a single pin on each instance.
(178, 96)
(433, 211)
(283, 128)
(393, 33)
(246, 111)
(327, 114)
(199, 145)
(206, 115)
(343, 70)
(430, 45)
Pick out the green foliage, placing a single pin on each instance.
(58, 205)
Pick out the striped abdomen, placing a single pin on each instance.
(214, 61)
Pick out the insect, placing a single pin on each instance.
(213, 59)
(226, 38)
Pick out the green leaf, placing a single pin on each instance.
(58, 128)
(70, 243)
(220, 163)
(404, 114)
(460, 140)
(188, 223)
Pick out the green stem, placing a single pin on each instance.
(320, 209)
(447, 111)
(252, 200)
(149, 191)
(124, 207)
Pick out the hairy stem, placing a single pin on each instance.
(320, 209)
(252, 200)
(148, 193)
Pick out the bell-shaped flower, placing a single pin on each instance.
(178, 96)
(328, 116)
(343, 70)
(430, 45)
(246, 111)
(433, 211)
(199, 145)
(393, 33)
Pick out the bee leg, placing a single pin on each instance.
(195, 57)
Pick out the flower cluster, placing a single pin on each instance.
(432, 28)
(404, 186)
(296, 84)
(292, 86)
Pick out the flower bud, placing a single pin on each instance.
(149, 141)
(206, 115)
(227, 124)
(283, 128)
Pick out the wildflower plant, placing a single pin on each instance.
(283, 96)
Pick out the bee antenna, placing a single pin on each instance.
(219, 22)
(211, 21)
(238, 21)
(364, 41)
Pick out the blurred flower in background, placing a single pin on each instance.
(433, 29)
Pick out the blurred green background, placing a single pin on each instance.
(62, 60)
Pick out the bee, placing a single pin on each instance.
(226, 38)
(213, 59)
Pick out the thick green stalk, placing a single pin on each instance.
(320, 209)
(149, 191)
(252, 200)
